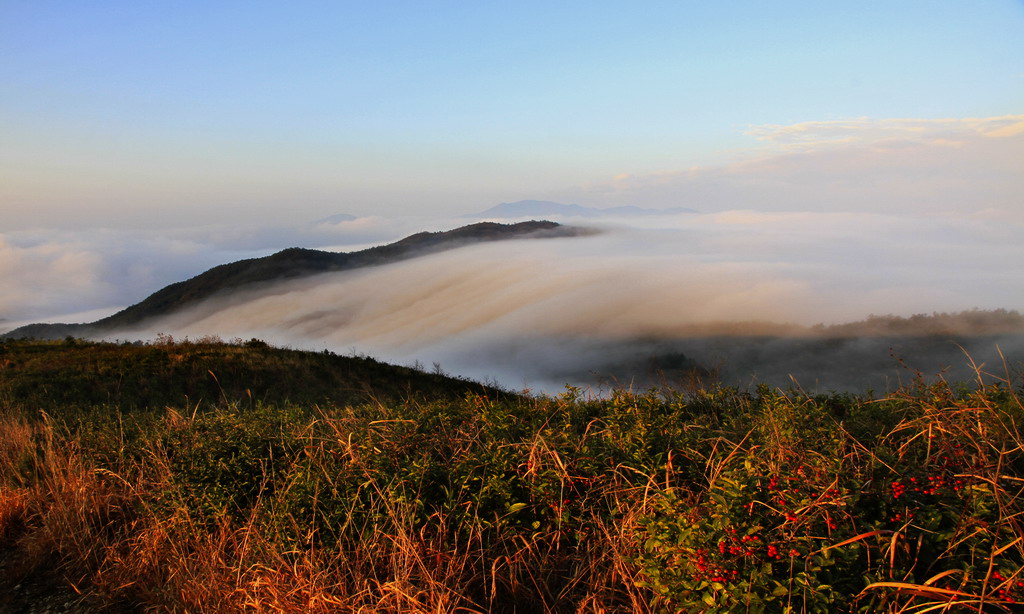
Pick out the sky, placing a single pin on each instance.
(182, 113)
(141, 143)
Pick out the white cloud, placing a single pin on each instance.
(809, 135)
(498, 307)
(913, 166)
(828, 222)
(49, 275)
(45, 273)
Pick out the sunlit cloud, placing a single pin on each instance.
(518, 309)
(48, 275)
(808, 135)
(826, 221)
(928, 167)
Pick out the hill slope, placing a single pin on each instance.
(79, 374)
(764, 501)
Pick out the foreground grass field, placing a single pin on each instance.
(210, 477)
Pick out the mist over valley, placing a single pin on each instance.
(673, 298)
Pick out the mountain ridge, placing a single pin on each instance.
(292, 263)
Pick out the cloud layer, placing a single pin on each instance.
(826, 222)
(50, 275)
(521, 311)
(907, 166)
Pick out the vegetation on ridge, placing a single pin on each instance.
(74, 375)
(291, 263)
(705, 500)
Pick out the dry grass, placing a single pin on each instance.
(556, 517)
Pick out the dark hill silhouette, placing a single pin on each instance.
(290, 263)
(136, 376)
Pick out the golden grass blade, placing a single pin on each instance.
(892, 552)
(921, 590)
(1007, 546)
(947, 605)
(939, 576)
(857, 538)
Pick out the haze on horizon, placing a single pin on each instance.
(867, 157)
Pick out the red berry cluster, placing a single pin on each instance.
(780, 490)
(711, 570)
(943, 481)
(900, 517)
(743, 546)
(936, 484)
(898, 489)
(1010, 592)
(751, 546)
(787, 493)
(558, 506)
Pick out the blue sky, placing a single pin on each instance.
(150, 114)
(143, 142)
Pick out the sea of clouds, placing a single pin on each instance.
(834, 221)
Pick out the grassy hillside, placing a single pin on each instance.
(59, 376)
(449, 497)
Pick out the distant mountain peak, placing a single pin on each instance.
(547, 208)
(336, 219)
